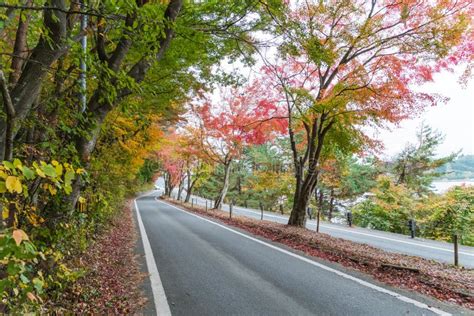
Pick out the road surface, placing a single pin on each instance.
(206, 268)
(429, 249)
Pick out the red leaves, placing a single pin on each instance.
(235, 119)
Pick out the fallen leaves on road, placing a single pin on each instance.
(442, 281)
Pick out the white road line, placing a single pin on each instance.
(324, 267)
(159, 296)
(365, 234)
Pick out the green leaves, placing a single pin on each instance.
(49, 171)
(28, 173)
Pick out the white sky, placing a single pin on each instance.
(455, 118)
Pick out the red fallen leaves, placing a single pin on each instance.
(112, 283)
(432, 278)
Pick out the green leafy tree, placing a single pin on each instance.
(389, 209)
(449, 214)
(416, 166)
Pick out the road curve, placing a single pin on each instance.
(210, 269)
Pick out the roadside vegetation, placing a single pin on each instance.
(381, 195)
(97, 97)
(76, 144)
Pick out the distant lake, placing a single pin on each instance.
(443, 186)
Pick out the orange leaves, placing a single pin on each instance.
(239, 117)
(379, 51)
(19, 235)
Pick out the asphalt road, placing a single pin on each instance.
(429, 249)
(210, 269)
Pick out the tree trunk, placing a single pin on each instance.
(304, 189)
(225, 187)
(331, 205)
(189, 190)
(300, 204)
(321, 200)
(46, 52)
(168, 185)
(20, 50)
(307, 169)
(180, 188)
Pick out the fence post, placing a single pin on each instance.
(261, 211)
(206, 205)
(456, 253)
(230, 209)
(281, 209)
(192, 202)
(317, 220)
(349, 218)
(412, 227)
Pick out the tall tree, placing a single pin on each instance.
(416, 166)
(353, 63)
(226, 126)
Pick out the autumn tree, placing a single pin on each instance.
(197, 165)
(171, 159)
(345, 65)
(133, 49)
(227, 125)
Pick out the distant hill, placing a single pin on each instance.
(461, 168)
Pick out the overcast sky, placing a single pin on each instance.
(455, 119)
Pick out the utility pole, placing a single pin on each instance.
(83, 77)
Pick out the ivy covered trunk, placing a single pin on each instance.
(220, 198)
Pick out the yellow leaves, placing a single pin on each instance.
(82, 204)
(40, 172)
(3, 174)
(52, 189)
(17, 163)
(19, 235)
(5, 213)
(13, 184)
(59, 169)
